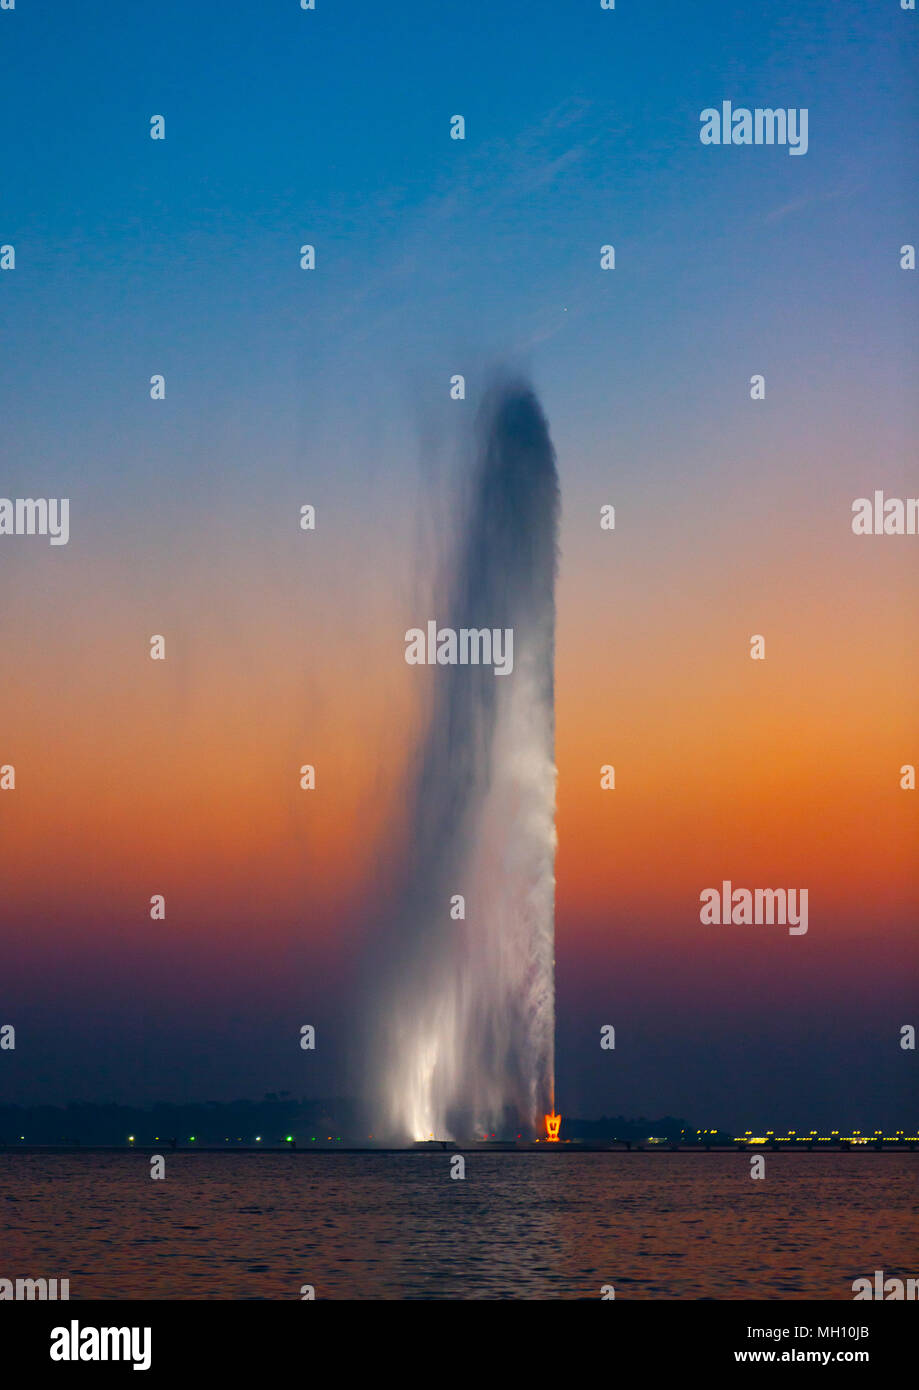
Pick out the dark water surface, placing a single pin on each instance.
(377, 1226)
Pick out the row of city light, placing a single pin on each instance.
(812, 1134)
(856, 1137)
(192, 1138)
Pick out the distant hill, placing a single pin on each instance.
(210, 1122)
(271, 1120)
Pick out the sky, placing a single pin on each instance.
(331, 387)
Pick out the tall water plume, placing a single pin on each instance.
(469, 1005)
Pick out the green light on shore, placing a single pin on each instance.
(290, 1138)
(191, 1139)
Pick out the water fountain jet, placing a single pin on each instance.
(469, 1016)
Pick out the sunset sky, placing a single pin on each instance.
(331, 387)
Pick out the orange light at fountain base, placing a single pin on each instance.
(553, 1125)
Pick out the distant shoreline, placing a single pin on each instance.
(570, 1148)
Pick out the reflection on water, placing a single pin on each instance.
(397, 1226)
